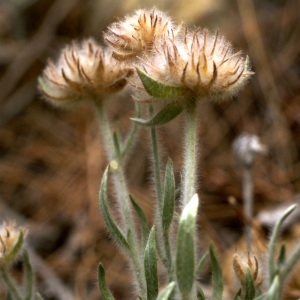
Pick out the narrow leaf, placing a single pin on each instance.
(201, 262)
(274, 290)
(282, 256)
(117, 144)
(185, 252)
(165, 294)
(114, 230)
(142, 219)
(217, 277)
(28, 276)
(165, 115)
(39, 297)
(105, 292)
(150, 264)
(272, 243)
(250, 286)
(200, 294)
(169, 196)
(158, 89)
(238, 295)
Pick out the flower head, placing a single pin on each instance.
(240, 266)
(203, 64)
(139, 33)
(83, 70)
(246, 146)
(11, 242)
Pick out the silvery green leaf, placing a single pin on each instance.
(217, 277)
(250, 286)
(272, 242)
(274, 292)
(113, 228)
(105, 292)
(169, 196)
(185, 252)
(166, 292)
(142, 219)
(165, 115)
(158, 89)
(150, 264)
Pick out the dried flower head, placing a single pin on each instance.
(246, 146)
(83, 70)
(11, 242)
(139, 32)
(240, 265)
(203, 64)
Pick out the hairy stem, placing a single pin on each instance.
(122, 195)
(167, 259)
(190, 156)
(248, 203)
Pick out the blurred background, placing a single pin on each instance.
(51, 160)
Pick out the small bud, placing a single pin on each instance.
(83, 70)
(11, 243)
(203, 64)
(246, 146)
(139, 33)
(240, 264)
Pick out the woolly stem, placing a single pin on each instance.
(122, 195)
(248, 203)
(190, 156)
(166, 251)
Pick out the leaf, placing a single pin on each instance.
(150, 265)
(200, 294)
(282, 256)
(160, 90)
(28, 276)
(272, 242)
(105, 292)
(169, 196)
(114, 230)
(165, 294)
(238, 294)
(249, 285)
(142, 219)
(165, 115)
(185, 252)
(201, 262)
(217, 277)
(274, 290)
(117, 145)
(39, 297)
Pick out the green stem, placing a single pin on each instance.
(122, 195)
(10, 284)
(190, 156)
(167, 259)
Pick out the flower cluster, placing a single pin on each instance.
(83, 70)
(141, 32)
(198, 62)
(11, 242)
